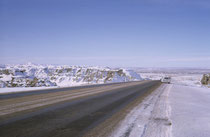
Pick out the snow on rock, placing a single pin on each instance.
(31, 75)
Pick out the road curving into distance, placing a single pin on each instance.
(67, 112)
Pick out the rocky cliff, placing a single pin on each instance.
(30, 75)
(206, 79)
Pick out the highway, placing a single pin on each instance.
(70, 112)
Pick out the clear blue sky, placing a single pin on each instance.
(124, 33)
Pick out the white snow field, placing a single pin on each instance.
(181, 76)
(181, 79)
(190, 113)
(173, 110)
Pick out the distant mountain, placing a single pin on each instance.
(31, 75)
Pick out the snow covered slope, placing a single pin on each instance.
(31, 75)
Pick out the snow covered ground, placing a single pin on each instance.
(22, 89)
(181, 76)
(173, 110)
(181, 79)
(190, 113)
(151, 118)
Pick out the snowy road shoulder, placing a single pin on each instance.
(22, 89)
(190, 113)
(150, 118)
(172, 110)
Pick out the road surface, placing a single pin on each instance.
(68, 112)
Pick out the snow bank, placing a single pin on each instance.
(22, 89)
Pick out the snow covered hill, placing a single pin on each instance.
(31, 75)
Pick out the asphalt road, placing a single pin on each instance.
(66, 112)
(44, 91)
